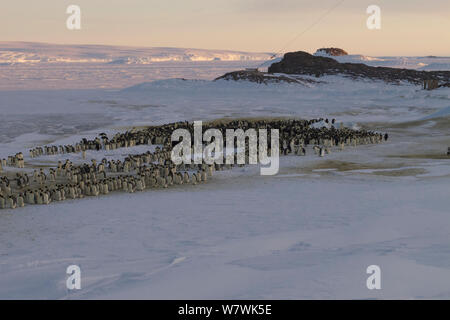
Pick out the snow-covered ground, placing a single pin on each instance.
(428, 63)
(57, 76)
(309, 232)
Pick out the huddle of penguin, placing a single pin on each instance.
(16, 160)
(296, 134)
(152, 170)
(69, 181)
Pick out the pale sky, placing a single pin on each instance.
(408, 27)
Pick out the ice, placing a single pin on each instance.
(32, 52)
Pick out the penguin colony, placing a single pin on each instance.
(152, 169)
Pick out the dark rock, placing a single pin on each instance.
(303, 63)
(260, 77)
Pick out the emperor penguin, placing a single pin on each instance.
(131, 187)
(56, 196)
(72, 192)
(186, 177)
(322, 152)
(21, 161)
(95, 190)
(20, 201)
(177, 179)
(119, 182)
(111, 185)
(139, 185)
(11, 203)
(316, 149)
(301, 151)
(161, 182)
(29, 196)
(101, 188)
(45, 198)
(203, 176)
(210, 170)
(124, 185)
(105, 187)
(153, 182)
(195, 178)
(80, 193)
(63, 193)
(169, 180)
(2, 202)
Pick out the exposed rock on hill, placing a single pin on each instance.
(332, 51)
(303, 63)
(260, 77)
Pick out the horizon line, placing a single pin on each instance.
(209, 49)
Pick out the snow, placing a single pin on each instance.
(419, 63)
(445, 112)
(309, 232)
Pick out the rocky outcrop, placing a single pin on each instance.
(260, 77)
(303, 63)
(332, 51)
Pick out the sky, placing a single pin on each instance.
(408, 27)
